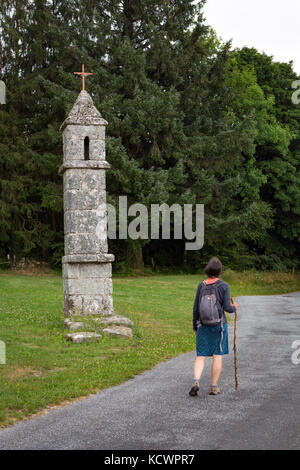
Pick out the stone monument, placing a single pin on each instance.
(87, 283)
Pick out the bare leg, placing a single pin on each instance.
(198, 367)
(216, 369)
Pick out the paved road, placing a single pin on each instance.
(154, 411)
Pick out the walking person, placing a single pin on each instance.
(210, 324)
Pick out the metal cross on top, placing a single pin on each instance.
(83, 73)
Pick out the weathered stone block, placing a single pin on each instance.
(84, 165)
(93, 305)
(88, 305)
(83, 337)
(108, 308)
(91, 179)
(72, 304)
(70, 271)
(72, 179)
(73, 149)
(97, 150)
(114, 320)
(74, 325)
(98, 305)
(88, 287)
(122, 331)
(89, 258)
(73, 142)
(87, 271)
(95, 270)
(84, 243)
(84, 131)
(70, 196)
(81, 221)
(100, 132)
(70, 222)
(80, 132)
(83, 200)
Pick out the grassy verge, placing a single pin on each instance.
(44, 370)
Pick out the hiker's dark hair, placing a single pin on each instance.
(213, 267)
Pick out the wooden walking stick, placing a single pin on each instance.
(234, 349)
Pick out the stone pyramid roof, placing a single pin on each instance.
(84, 113)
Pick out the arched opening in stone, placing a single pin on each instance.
(86, 148)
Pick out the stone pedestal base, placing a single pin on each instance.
(87, 285)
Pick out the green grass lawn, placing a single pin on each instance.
(44, 370)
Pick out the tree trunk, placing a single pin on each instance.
(184, 257)
(135, 256)
(128, 10)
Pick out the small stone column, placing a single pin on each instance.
(87, 283)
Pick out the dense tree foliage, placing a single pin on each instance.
(277, 155)
(190, 121)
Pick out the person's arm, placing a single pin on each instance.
(226, 302)
(196, 308)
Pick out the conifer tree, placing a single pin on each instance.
(189, 122)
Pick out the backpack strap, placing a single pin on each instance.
(216, 285)
(221, 313)
(202, 284)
